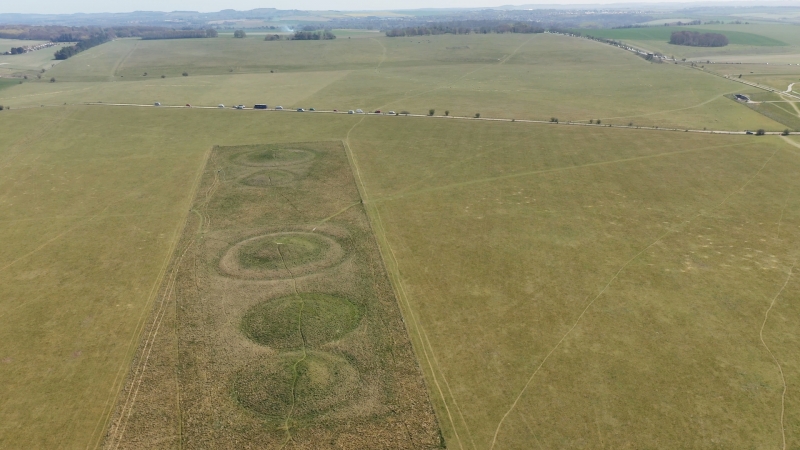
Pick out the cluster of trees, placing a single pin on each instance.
(313, 35)
(179, 34)
(66, 52)
(695, 39)
(467, 27)
(240, 34)
(17, 50)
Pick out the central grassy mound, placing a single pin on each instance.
(268, 156)
(280, 255)
(268, 178)
(305, 319)
(297, 387)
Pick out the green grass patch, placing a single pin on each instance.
(300, 385)
(6, 83)
(301, 320)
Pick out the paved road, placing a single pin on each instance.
(487, 119)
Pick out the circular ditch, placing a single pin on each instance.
(281, 255)
(268, 178)
(321, 318)
(297, 385)
(273, 157)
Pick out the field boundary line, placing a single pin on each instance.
(148, 307)
(780, 369)
(436, 361)
(614, 277)
(397, 285)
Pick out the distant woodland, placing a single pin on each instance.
(467, 27)
(696, 39)
(56, 33)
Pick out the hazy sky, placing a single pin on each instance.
(91, 6)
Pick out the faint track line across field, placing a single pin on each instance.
(543, 171)
(383, 56)
(115, 434)
(402, 296)
(777, 363)
(614, 277)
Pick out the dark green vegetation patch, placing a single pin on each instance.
(298, 320)
(5, 82)
(320, 381)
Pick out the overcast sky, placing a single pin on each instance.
(94, 6)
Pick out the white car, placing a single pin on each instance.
(157, 104)
(358, 111)
(351, 112)
(220, 105)
(391, 113)
(279, 107)
(239, 106)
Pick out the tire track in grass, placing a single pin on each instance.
(543, 171)
(114, 391)
(383, 56)
(295, 374)
(501, 62)
(772, 355)
(400, 290)
(602, 291)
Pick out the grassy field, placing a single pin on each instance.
(91, 209)
(664, 33)
(521, 77)
(6, 83)
(30, 64)
(546, 279)
(562, 286)
(753, 42)
(8, 44)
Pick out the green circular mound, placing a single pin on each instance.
(321, 318)
(281, 255)
(321, 382)
(272, 157)
(268, 178)
(282, 251)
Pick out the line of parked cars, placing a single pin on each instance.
(264, 106)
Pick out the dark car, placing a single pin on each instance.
(311, 109)
(260, 106)
(748, 132)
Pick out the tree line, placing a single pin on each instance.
(321, 35)
(57, 33)
(85, 44)
(467, 27)
(696, 39)
(179, 34)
